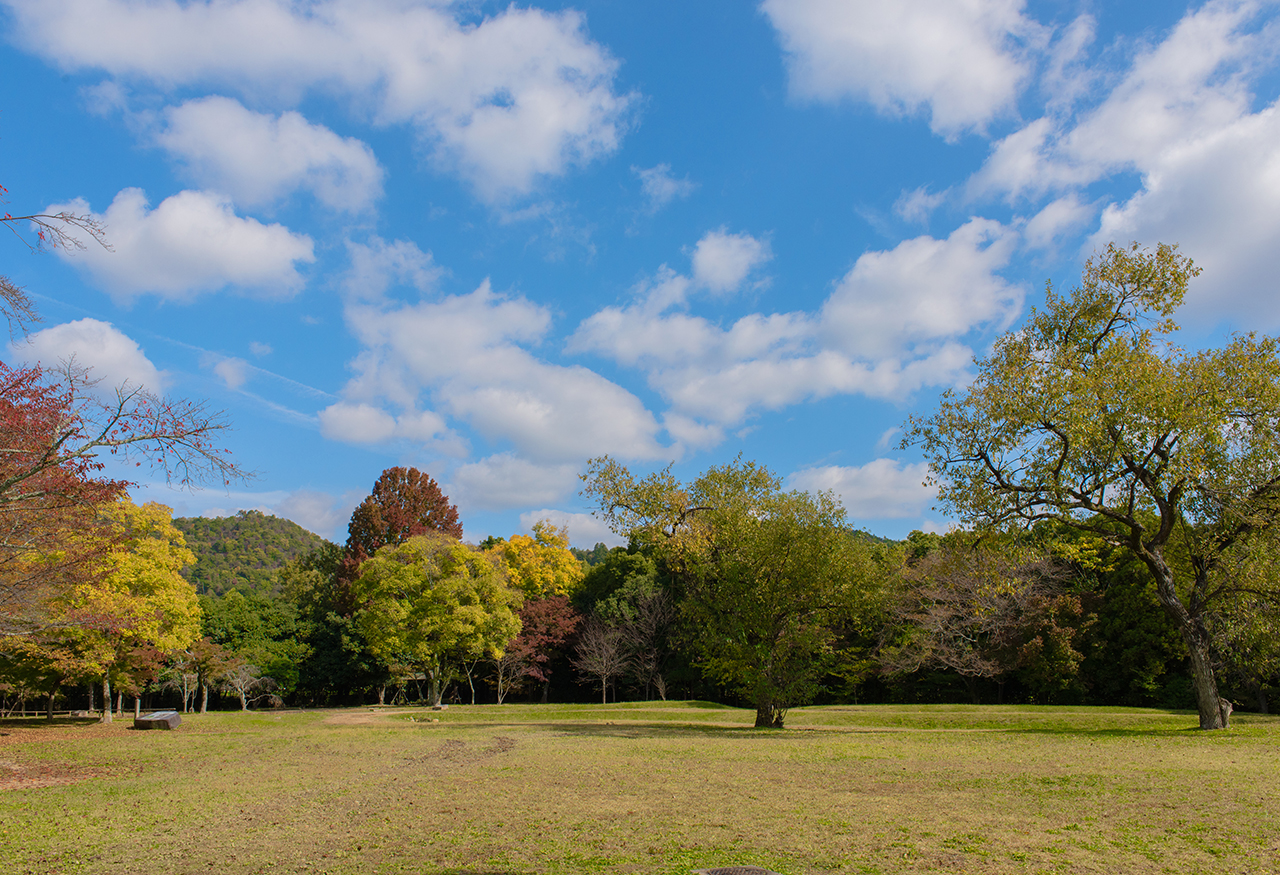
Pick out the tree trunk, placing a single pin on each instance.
(204, 698)
(1215, 711)
(119, 703)
(770, 716)
(1263, 705)
(106, 700)
(382, 694)
(244, 701)
(49, 713)
(137, 707)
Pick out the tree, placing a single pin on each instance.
(765, 573)
(542, 565)
(545, 625)
(404, 503)
(143, 598)
(53, 231)
(1093, 417)
(601, 654)
(431, 603)
(53, 426)
(985, 611)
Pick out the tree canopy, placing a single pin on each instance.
(404, 503)
(1092, 416)
(767, 574)
(430, 603)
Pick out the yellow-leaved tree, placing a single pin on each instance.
(542, 565)
(140, 603)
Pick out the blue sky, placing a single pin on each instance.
(494, 241)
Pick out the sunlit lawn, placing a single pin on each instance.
(645, 788)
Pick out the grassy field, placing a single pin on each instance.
(644, 788)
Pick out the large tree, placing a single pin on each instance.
(431, 604)
(404, 503)
(1092, 416)
(766, 573)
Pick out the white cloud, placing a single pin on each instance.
(467, 353)
(660, 188)
(233, 371)
(722, 261)
(916, 205)
(585, 530)
(882, 489)
(319, 512)
(1181, 116)
(521, 94)
(114, 358)
(888, 329)
(367, 424)
(1067, 214)
(923, 290)
(192, 242)
(378, 265)
(258, 159)
(1219, 199)
(260, 349)
(963, 60)
(506, 481)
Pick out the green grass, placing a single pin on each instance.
(645, 788)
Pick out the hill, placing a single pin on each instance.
(243, 551)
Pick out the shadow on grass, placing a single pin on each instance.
(45, 723)
(624, 730)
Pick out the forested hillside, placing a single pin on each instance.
(242, 552)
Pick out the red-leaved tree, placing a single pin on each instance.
(404, 503)
(545, 625)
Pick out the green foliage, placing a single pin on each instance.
(261, 630)
(339, 664)
(1091, 416)
(432, 602)
(592, 557)
(767, 575)
(242, 552)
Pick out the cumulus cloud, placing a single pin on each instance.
(890, 327)
(506, 481)
(660, 188)
(722, 261)
(192, 242)
(114, 358)
(923, 289)
(1180, 116)
(881, 489)
(585, 530)
(519, 95)
(964, 62)
(1219, 198)
(467, 353)
(368, 424)
(319, 512)
(258, 159)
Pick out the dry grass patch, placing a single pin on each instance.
(652, 788)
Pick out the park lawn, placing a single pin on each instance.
(645, 788)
